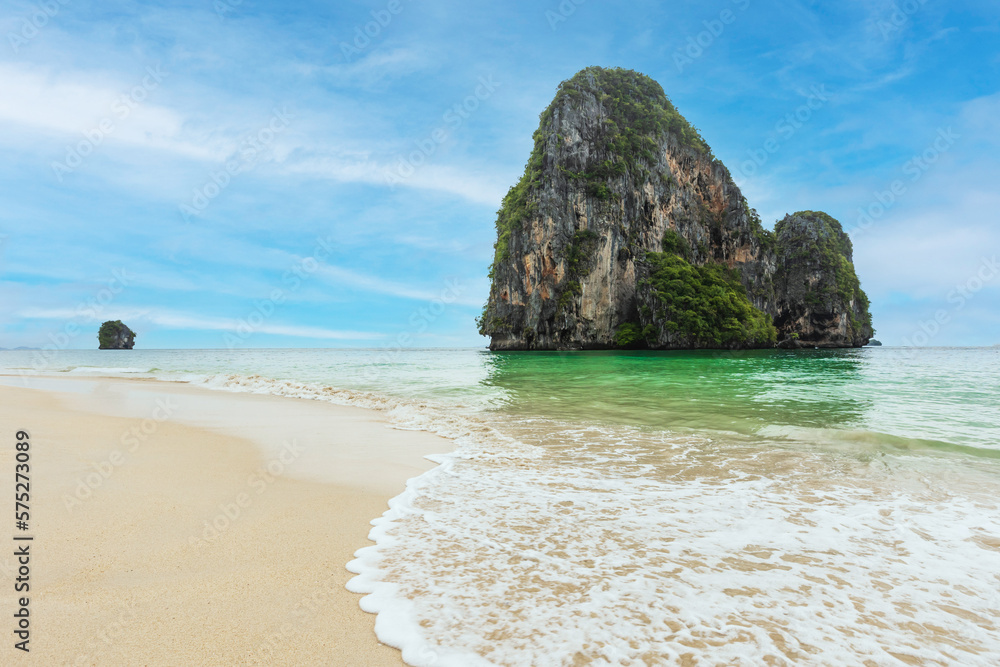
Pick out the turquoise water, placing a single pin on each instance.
(944, 395)
(936, 397)
(768, 507)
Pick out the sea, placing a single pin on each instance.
(815, 507)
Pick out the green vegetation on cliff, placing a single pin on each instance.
(631, 335)
(675, 244)
(517, 205)
(637, 115)
(707, 305)
(765, 237)
(637, 112)
(830, 250)
(578, 257)
(114, 335)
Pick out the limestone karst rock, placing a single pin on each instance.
(625, 231)
(114, 335)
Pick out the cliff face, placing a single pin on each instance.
(581, 260)
(819, 296)
(114, 335)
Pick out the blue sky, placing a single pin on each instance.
(258, 174)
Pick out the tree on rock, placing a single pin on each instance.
(114, 335)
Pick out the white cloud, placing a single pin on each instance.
(982, 117)
(80, 106)
(342, 276)
(260, 257)
(69, 106)
(372, 68)
(458, 181)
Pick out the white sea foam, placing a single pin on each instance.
(619, 547)
(114, 370)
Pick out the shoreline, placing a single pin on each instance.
(174, 522)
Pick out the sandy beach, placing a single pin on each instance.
(179, 525)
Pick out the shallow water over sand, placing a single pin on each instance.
(634, 548)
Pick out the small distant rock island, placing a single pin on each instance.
(874, 343)
(625, 232)
(113, 335)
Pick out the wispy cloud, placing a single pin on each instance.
(178, 320)
(371, 70)
(75, 107)
(477, 188)
(341, 276)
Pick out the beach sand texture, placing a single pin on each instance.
(218, 535)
